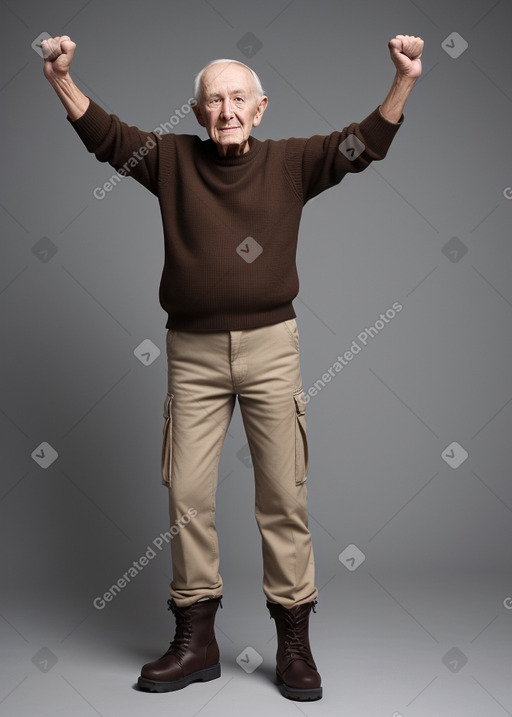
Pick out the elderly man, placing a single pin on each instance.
(231, 207)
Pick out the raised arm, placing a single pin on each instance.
(405, 52)
(130, 150)
(58, 53)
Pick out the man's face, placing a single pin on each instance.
(228, 107)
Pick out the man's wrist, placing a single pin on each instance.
(401, 80)
(393, 106)
(75, 102)
(56, 77)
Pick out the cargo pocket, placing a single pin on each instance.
(301, 439)
(167, 441)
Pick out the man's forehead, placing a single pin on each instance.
(227, 76)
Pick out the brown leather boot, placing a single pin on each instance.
(296, 672)
(193, 655)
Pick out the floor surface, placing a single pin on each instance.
(396, 646)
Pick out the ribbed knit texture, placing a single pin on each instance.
(211, 205)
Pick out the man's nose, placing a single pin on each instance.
(226, 109)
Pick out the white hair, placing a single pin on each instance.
(197, 80)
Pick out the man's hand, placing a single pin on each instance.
(57, 53)
(405, 52)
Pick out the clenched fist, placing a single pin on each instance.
(405, 52)
(57, 53)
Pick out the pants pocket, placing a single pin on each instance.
(167, 441)
(301, 438)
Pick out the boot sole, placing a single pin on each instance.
(298, 694)
(209, 673)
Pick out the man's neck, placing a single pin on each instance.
(233, 150)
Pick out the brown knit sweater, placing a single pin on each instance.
(231, 223)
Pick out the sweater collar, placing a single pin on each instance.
(234, 161)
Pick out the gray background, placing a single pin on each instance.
(437, 575)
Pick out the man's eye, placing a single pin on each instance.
(239, 99)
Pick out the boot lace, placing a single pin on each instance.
(296, 626)
(183, 618)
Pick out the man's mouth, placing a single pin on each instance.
(228, 129)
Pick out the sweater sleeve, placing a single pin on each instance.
(319, 162)
(131, 151)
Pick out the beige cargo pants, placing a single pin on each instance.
(206, 371)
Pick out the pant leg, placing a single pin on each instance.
(272, 404)
(200, 401)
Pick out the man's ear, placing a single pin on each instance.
(262, 106)
(199, 114)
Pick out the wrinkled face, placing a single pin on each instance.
(229, 107)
